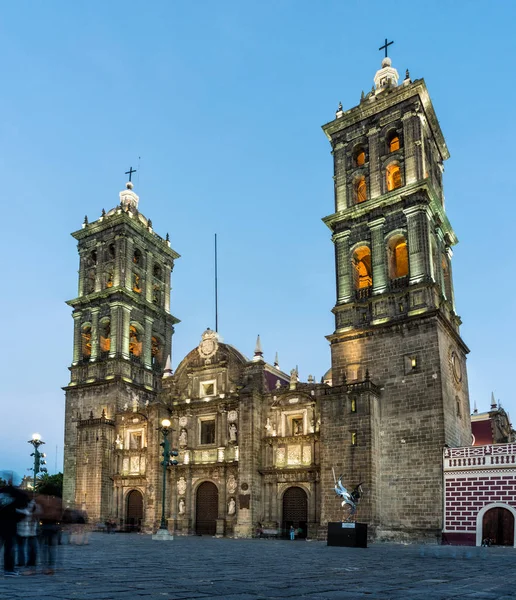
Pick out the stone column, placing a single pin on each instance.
(82, 271)
(343, 267)
(114, 349)
(339, 177)
(119, 270)
(412, 147)
(449, 254)
(375, 172)
(147, 343)
(98, 268)
(275, 516)
(129, 263)
(418, 243)
(378, 257)
(223, 508)
(149, 277)
(76, 337)
(95, 333)
(125, 321)
(167, 273)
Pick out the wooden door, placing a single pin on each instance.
(134, 512)
(498, 526)
(295, 511)
(206, 509)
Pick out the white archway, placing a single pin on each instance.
(482, 512)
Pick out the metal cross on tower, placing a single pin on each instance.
(131, 170)
(385, 46)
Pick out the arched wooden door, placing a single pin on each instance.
(295, 511)
(206, 509)
(134, 511)
(498, 526)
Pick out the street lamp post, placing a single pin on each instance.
(168, 459)
(39, 457)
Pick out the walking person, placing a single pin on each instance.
(292, 532)
(51, 516)
(11, 499)
(27, 532)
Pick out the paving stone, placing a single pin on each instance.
(133, 567)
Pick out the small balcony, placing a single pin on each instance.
(363, 293)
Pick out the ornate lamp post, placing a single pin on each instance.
(36, 441)
(168, 459)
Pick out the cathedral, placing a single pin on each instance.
(257, 448)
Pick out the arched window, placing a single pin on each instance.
(360, 157)
(398, 257)
(360, 190)
(93, 257)
(105, 335)
(108, 278)
(393, 141)
(137, 257)
(362, 268)
(156, 294)
(156, 351)
(137, 283)
(112, 251)
(156, 271)
(135, 341)
(393, 176)
(86, 341)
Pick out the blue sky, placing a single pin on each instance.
(223, 101)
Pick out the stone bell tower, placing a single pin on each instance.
(399, 385)
(122, 338)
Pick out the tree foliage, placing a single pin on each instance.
(50, 485)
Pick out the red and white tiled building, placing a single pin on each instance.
(480, 495)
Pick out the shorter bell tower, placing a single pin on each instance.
(122, 338)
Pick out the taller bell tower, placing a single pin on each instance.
(122, 338)
(399, 385)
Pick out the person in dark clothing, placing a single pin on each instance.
(11, 499)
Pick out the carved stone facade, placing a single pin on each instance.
(256, 446)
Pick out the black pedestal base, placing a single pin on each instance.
(352, 535)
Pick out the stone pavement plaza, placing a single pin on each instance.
(131, 566)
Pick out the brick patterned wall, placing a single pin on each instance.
(475, 477)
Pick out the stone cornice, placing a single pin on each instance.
(419, 193)
(386, 100)
(123, 218)
(123, 297)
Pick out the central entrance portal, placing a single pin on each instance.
(134, 512)
(206, 509)
(295, 512)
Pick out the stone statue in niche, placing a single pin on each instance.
(135, 403)
(231, 506)
(183, 438)
(181, 506)
(233, 431)
(181, 486)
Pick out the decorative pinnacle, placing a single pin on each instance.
(475, 409)
(168, 369)
(85, 219)
(258, 353)
(276, 361)
(493, 401)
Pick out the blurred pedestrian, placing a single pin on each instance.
(51, 514)
(11, 499)
(27, 532)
